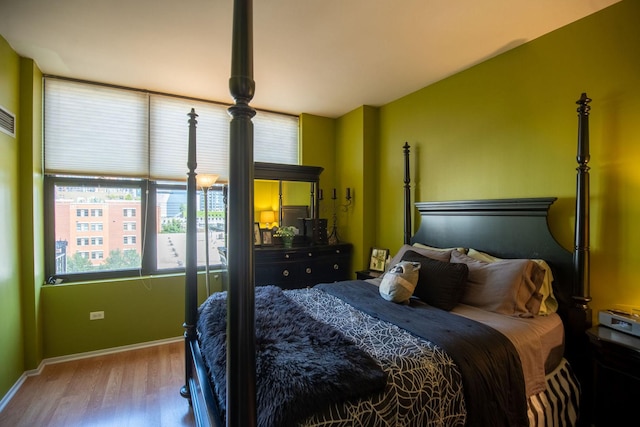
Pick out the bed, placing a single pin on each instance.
(353, 357)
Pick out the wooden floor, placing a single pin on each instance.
(136, 388)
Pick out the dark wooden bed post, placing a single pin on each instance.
(581, 252)
(407, 195)
(241, 359)
(191, 258)
(580, 315)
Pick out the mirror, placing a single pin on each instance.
(287, 190)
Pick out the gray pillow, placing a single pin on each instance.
(440, 283)
(504, 287)
(400, 281)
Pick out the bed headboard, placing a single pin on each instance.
(509, 228)
(506, 228)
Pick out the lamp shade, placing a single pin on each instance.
(267, 216)
(206, 180)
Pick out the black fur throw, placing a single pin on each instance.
(302, 365)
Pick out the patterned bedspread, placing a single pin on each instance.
(425, 387)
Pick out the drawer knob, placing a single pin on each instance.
(309, 254)
(336, 267)
(308, 270)
(337, 251)
(285, 273)
(286, 256)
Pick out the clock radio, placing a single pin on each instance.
(620, 321)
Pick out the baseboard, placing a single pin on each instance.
(53, 360)
(77, 356)
(12, 391)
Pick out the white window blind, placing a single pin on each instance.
(275, 138)
(170, 138)
(95, 130)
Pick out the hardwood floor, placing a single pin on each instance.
(136, 388)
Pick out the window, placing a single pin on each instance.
(115, 180)
(101, 198)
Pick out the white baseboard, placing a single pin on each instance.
(53, 360)
(12, 391)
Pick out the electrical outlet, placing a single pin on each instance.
(96, 315)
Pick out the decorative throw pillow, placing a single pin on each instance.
(503, 287)
(400, 281)
(440, 283)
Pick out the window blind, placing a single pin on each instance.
(169, 128)
(96, 130)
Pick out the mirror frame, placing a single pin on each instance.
(283, 172)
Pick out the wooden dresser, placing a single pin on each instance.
(301, 267)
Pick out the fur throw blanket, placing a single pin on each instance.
(302, 365)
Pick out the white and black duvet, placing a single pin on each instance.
(440, 369)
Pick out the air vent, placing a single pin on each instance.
(7, 122)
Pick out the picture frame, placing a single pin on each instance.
(378, 259)
(266, 236)
(257, 236)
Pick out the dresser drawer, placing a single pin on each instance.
(302, 267)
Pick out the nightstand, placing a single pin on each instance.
(368, 274)
(616, 375)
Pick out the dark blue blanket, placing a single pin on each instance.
(491, 371)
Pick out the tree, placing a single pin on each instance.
(118, 260)
(173, 225)
(76, 263)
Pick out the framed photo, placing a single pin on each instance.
(378, 259)
(257, 237)
(266, 235)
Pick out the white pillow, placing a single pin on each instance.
(400, 281)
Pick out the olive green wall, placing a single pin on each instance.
(317, 139)
(31, 209)
(11, 325)
(135, 311)
(508, 128)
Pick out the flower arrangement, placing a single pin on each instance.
(286, 231)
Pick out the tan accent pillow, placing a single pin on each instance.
(545, 297)
(400, 282)
(503, 287)
(433, 248)
(440, 255)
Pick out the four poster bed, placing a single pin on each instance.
(491, 337)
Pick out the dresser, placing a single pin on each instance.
(301, 267)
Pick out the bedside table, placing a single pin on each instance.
(368, 274)
(616, 375)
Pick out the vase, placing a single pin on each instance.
(287, 241)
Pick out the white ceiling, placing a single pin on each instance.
(323, 57)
